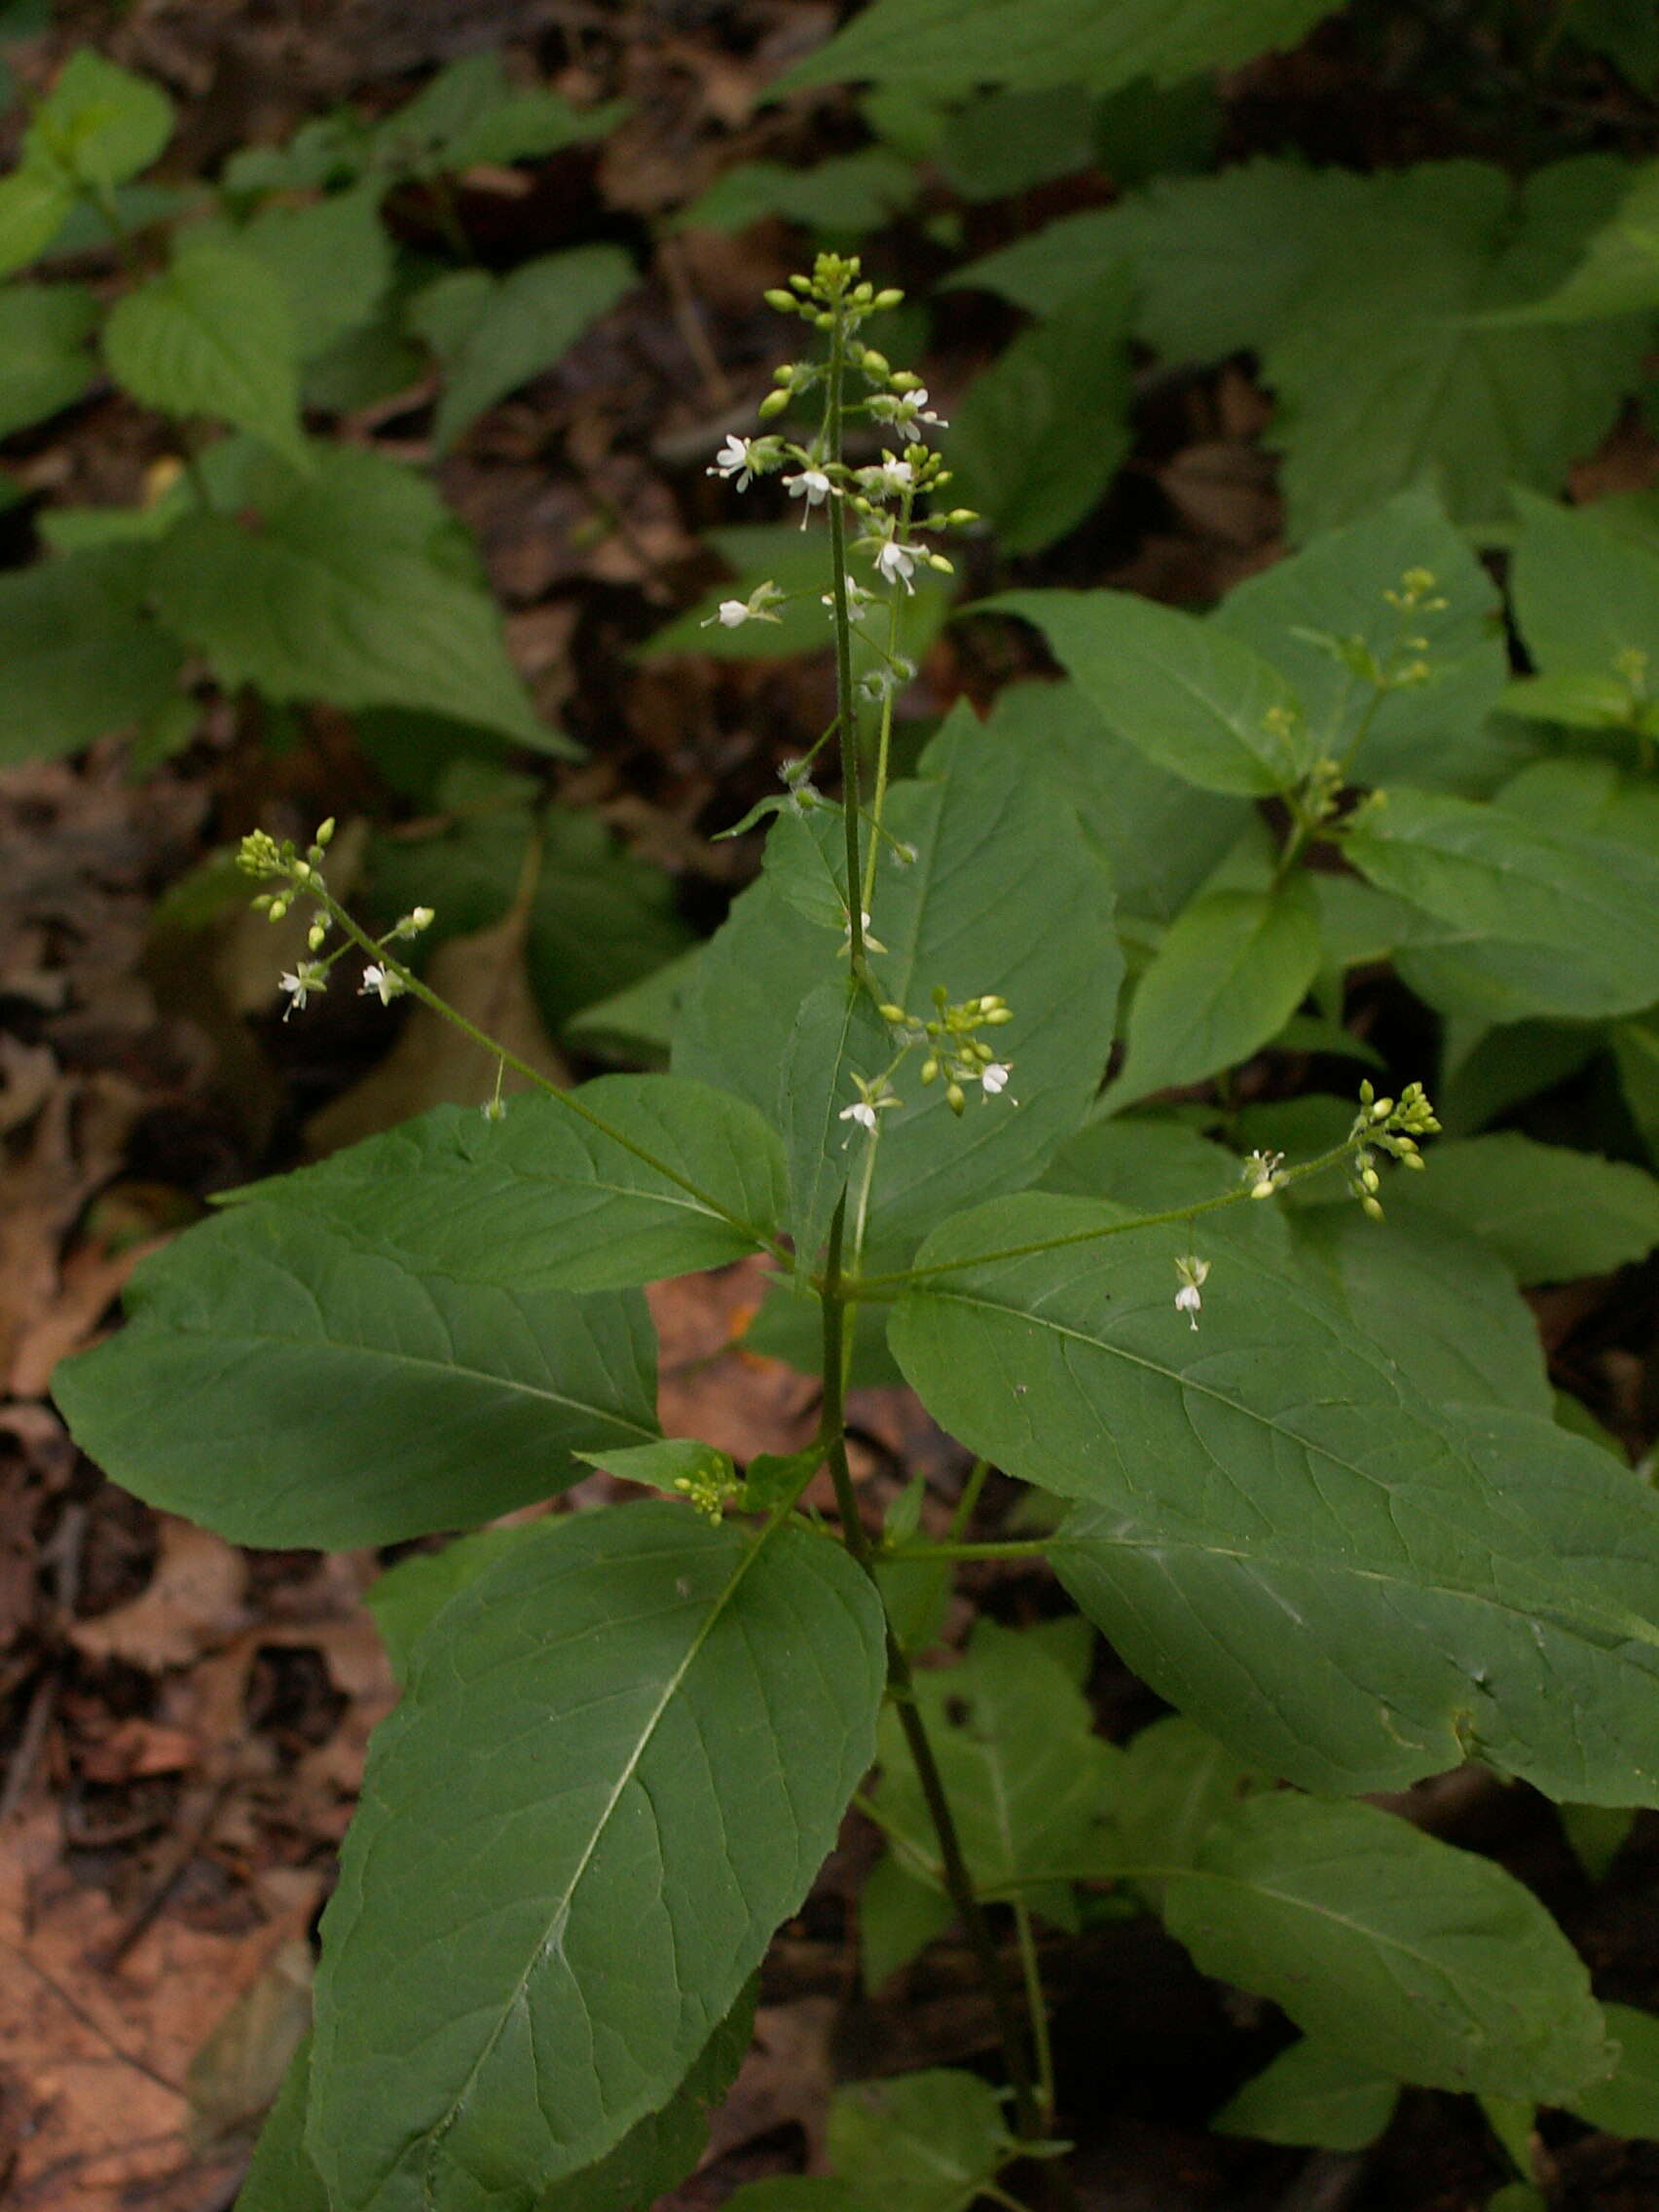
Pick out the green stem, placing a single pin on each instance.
(882, 1288)
(845, 713)
(428, 997)
(900, 1684)
(884, 743)
(1037, 1548)
(1035, 2004)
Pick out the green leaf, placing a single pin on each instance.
(82, 657)
(1490, 875)
(356, 588)
(1025, 1774)
(513, 327)
(1428, 1292)
(1635, 1052)
(44, 362)
(580, 1944)
(1336, 587)
(1586, 600)
(213, 336)
(472, 113)
(408, 1598)
(99, 122)
(999, 856)
(850, 194)
(1619, 273)
(899, 1917)
(332, 260)
(1039, 436)
(547, 1199)
(954, 46)
(284, 1381)
(1383, 382)
(1627, 2102)
(1597, 1833)
(1172, 1785)
(1391, 1947)
(1458, 1577)
(282, 2177)
(1006, 142)
(1313, 2096)
(919, 2142)
(1155, 1165)
(1227, 976)
(1551, 1214)
(34, 201)
(666, 1463)
(836, 1037)
(1194, 700)
(1159, 837)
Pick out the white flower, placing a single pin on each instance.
(895, 565)
(732, 614)
(309, 977)
(1262, 1173)
(861, 1111)
(811, 485)
(914, 410)
(1188, 1300)
(384, 983)
(887, 480)
(995, 1078)
(737, 454)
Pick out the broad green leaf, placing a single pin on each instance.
(1427, 1290)
(99, 122)
(282, 2177)
(286, 1381)
(1170, 1787)
(44, 362)
(1627, 2102)
(899, 1917)
(579, 1944)
(1152, 1165)
(1391, 1948)
(955, 46)
(999, 855)
(1619, 273)
(1159, 837)
(1313, 2096)
(1551, 1214)
(472, 113)
(1490, 875)
(1227, 976)
(408, 1597)
(1382, 384)
(1598, 1833)
(331, 258)
(1040, 434)
(213, 336)
(1006, 142)
(1586, 600)
(513, 327)
(669, 1463)
(1337, 587)
(1342, 1579)
(34, 201)
(837, 1038)
(1025, 1774)
(919, 2142)
(1192, 699)
(551, 1199)
(82, 656)
(849, 194)
(357, 588)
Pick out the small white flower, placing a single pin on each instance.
(810, 485)
(895, 565)
(861, 1111)
(915, 411)
(307, 977)
(889, 479)
(732, 614)
(735, 456)
(995, 1078)
(384, 983)
(1188, 1298)
(1262, 1173)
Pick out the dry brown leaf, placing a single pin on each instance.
(787, 2076)
(483, 979)
(195, 1603)
(234, 2078)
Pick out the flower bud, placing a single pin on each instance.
(774, 404)
(777, 297)
(1371, 1208)
(892, 1014)
(890, 297)
(955, 1097)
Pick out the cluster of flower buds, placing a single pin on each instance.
(1263, 1171)
(712, 1487)
(1390, 1125)
(956, 1049)
(301, 876)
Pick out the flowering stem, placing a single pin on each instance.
(888, 1286)
(413, 984)
(900, 1686)
(845, 713)
(884, 741)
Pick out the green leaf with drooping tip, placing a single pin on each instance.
(924, 2142)
(1627, 2102)
(1314, 2097)
(621, 1757)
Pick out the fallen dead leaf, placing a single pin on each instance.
(787, 2076)
(234, 2078)
(195, 1602)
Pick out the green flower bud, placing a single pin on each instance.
(784, 301)
(774, 404)
(1371, 1207)
(955, 1097)
(890, 297)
